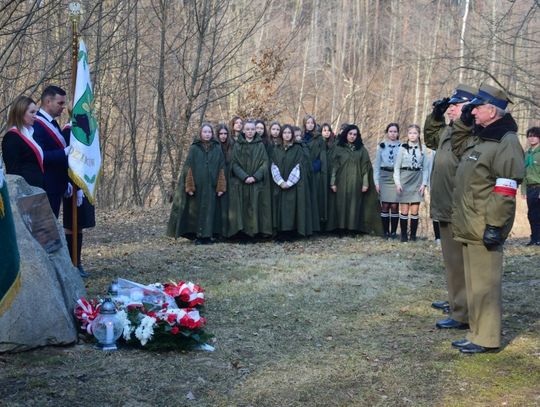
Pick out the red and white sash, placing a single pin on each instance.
(53, 131)
(32, 144)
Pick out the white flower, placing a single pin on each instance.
(126, 324)
(145, 330)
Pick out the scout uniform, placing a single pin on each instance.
(411, 171)
(383, 175)
(484, 206)
(531, 188)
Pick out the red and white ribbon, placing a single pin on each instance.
(86, 312)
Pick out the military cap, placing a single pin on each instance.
(491, 95)
(462, 94)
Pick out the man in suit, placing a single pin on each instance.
(48, 135)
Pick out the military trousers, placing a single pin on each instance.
(452, 252)
(483, 275)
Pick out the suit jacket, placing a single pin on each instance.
(55, 160)
(21, 159)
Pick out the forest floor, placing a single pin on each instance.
(325, 321)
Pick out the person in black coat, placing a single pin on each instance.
(48, 134)
(22, 155)
(86, 217)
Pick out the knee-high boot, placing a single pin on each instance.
(403, 221)
(414, 227)
(385, 218)
(394, 220)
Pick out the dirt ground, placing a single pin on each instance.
(325, 321)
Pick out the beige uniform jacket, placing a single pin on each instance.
(475, 204)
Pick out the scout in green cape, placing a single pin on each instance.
(275, 137)
(249, 200)
(195, 214)
(290, 195)
(260, 129)
(353, 202)
(237, 124)
(319, 163)
(227, 143)
(330, 143)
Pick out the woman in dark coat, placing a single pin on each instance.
(354, 204)
(21, 153)
(291, 211)
(226, 142)
(250, 210)
(195, 213)
(330, 143)
(319, 163)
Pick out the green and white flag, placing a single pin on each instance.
(10, 278)
(85, 158)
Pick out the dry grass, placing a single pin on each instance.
(319, 322)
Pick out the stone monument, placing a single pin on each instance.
(42, 312)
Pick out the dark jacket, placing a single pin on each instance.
(55, 160)
(20, 159)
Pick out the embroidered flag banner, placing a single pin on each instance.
(10, 279)
(85, 157)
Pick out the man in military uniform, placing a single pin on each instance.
(450, 141)
(484, 205)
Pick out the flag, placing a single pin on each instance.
(10, 279)
(85, 157)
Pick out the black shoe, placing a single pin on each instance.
(386, 235)
(393, 235)
(412, 238)
(440, 305)
(82, 273)
(451, 324)
(444, 306)
(404, 239)
(460, 343)
(472, 348)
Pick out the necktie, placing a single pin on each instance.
(55, 124)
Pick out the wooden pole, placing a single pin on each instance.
(75, 10)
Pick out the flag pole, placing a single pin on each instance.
(75, 13)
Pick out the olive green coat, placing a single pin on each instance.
(317, 151)
(291, 207)
(250, 209)
(350, 208)
(497, 153)
(198, 216)
(453, 140)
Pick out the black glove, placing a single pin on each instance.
(467, 117)
(439, 107)
(492, 237)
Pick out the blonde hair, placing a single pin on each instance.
(18, 110)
